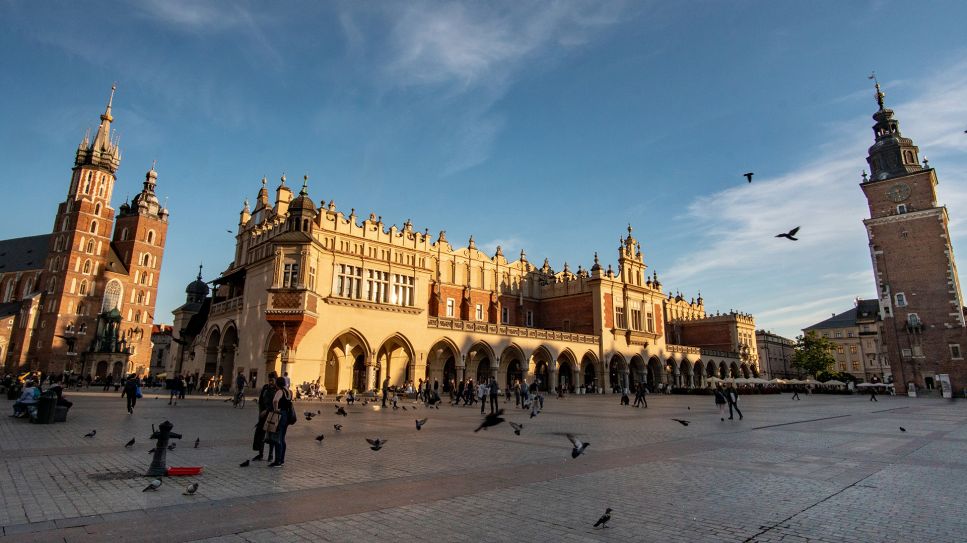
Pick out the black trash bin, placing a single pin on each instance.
(46, 408)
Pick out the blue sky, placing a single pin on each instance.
(547, 126)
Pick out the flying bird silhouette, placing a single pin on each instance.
(579, 446)
(790, 234)
(517, 427)
(492, 419)
(341, 411)
(338, 427)
(902, 429)
(420, 423)
(244, 464)
(129, 444)
(92, 433)
(190, 491)
(376, 444)
(749, 176)
(229, 231)
(682, 422)
(320, 437)
(605, 518)
(155, 485)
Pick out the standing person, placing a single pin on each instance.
(288, 382)
(795, 393)
(239, 386)
(720, 401)
(266, 395)
(732, 395)
(173, 392)
(182, 386)
(282, 403)
(108, 382)
(482, 390)
(459, 393)
(385, 389)
(493, 395)
(516, 392)
(132, 390)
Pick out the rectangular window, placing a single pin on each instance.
(856, 366)
(901, 299)
(839, 349)
(619, 317)
(955, 350)
(852, 349)
(650, 319)
(901, 209)
(312, 278)
(349, 281)
(530, 318)
(505, 315)
(479, 312)
(567, 325)
(450, 307)
(913, 319)
(290, 275)
(906, 353)
(403, 288)
(839, 333)
(849, 334)
(917, 350)
(377, 286)
(635, 316)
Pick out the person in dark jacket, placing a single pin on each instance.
(493, 395)
(732, 396)
(720, 401)
(282, 403)
(131, 387)
(265, 406)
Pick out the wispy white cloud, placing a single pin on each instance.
(733, 229)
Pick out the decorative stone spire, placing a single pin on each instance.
(597, 264)
(500, 251)
(471, 245)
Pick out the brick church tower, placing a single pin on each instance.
(913, 262)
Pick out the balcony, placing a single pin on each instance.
(684, 349)
(719, 354)
(513, 331)
(291, 313)
(229, 305)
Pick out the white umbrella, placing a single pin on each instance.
(795, 382)
(759, 381)
(778, 381)
(743, 381)
(870, 385)
(834, 383)
(713, 380)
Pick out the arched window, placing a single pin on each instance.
(87, 184)
(64, 223)
(28, 287)
(87, 266)
(137, 316)
(124, 234)
(151, 236)
(83, 290)
(112, 297)
(144, 278)
(141, 297)
(145, 259)
(80, 311)
(51, 283)
(97, 208)
(101, 187)
(90, 246)
(93, 227)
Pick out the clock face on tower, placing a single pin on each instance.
(899, 192)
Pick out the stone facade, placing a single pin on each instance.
(348, 301)
(921, 303)
(856, 334)
(87, 291)
(776, 354)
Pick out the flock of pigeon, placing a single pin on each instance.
(156, 483)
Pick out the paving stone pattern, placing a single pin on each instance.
(825, 469)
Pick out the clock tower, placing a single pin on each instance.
(913, 262)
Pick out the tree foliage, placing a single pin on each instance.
(813, 354)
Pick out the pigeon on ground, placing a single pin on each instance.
(197, 441)
(534, 413)
(339, 398)
(420, 423)
(308, 416)
(338, 427)
(689, 408)
(155, 485)
(404, 407)
(790, 234)
(365, 402)
(92, 433)
(902, 429)
(579, 446)
(320, 437)
(748, 176)
(341, 411)
(172, 446)
(376, 444)
(129, 444)
(318, 411)
(492, 419)
(682, 422)
(517, 427)
(605, 518)
(244, 464)
(192, 488)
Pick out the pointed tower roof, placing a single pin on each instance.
(891, 154)
(104, 150)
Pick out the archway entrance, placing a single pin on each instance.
(654, 374)
(442, 364)
(101, 370)
(393, 360)
(359, 374)
(211, 352)
(515, 373)
(590, 373)
(227, 364)
(542, 375)
(347, 365)
(565, 376)
(483, 370)
(685, 374)
(637, 374)
(618, 374)
(117, 371)
(698, 374)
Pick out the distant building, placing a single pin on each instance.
(85, 293)
(776, 356)
(856, 334)
(160, 350)
(920, 300)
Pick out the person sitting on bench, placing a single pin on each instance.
(28, 398)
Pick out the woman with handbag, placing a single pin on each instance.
(266, 396)
(282, 404)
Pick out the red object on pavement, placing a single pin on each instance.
(190, 470)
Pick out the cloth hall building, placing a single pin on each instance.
(347, 302)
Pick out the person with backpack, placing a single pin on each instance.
(282, 404)
(132, 390)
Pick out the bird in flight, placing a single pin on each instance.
(197, 441)
(748, 176)
(155, 485)
(790, 234)
(579, 446)
(605, 518)
(376, 444)
(338, 427)
(517, 427)
(192, 488)
(902, 429)
(244, 464)
(129, 444)
(341, 411)
(320, 437)
(229, 231)
(682, 422)
(420, 423)
(492, 419)
(92, 433)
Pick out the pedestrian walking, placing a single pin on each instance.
(732, 395)
(282, 404)
(640, 392)
(873, 394)
(266, 395)
(482, 390)
(795, 394)
(516, 392)
(132, 391)
(385, 389)
(720, 401)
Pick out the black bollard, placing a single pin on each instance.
(162, 434)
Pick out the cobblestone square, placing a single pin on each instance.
(827, 468)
